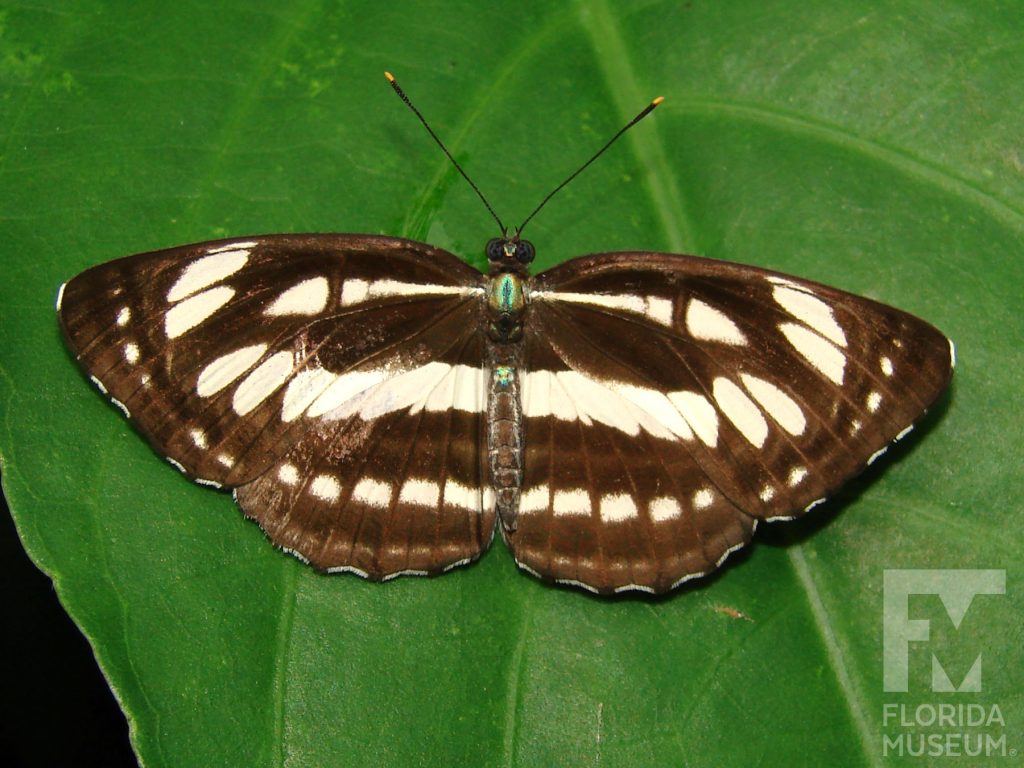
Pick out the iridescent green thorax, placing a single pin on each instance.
(506, 293)
(506, 303)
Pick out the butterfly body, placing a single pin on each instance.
(380, 407)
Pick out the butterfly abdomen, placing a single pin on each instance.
(505, 441)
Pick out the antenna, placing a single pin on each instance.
(504, 231)
(410, 105)
(643, 113)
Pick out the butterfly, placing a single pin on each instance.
(378, 406)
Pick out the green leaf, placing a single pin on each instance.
(875, 146)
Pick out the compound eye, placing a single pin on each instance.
(494, 249)
(524, 251)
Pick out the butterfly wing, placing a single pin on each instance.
(284, 366)
(671, 402)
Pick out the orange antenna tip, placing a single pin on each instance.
(389, 76)
(657, 101)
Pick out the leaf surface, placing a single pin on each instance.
(873, 146)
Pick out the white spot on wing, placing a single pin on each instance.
(537, 393)
(699, 413)
(886, 365)
(811, 311)
(664, 508)
(816, 350)
(353, 292)
(562, 404)
(706, 323)
(349, 569)
(570, 395)
(777, 403)
(424, 493)
(124, 315)
(343, 389)
(874, 400)
(659, 310)
(406, 572)
(402, 391)
(457, 563)
(573, 502)
(469, 389)
(60, 295)
(657, 405)
(441, 396)
(131, 352)
(435, 386)
(262, 382)
(703, 498)
(796, 476)
(767, 494)
(874, 456)
(617, 507)
(297, 555)
(567, 582)
(248, 245)
(730, 550)
(597, 401)
(656, 308)
(227, 368)
(198, 438)
(307, 298)
(372, 492)
(459, 495)
(634, 588)
(952, 353)
(536, 499)
(741, 411)
(207, 270)
(528, 569)
(325, 487)
(288, 474)
(192, 311)
(358, 291)
(303, 390)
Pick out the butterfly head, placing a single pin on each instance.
(509, 254)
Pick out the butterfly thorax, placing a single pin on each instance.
(509, 259)
(506, 306)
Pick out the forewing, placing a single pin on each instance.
(200, 344)
(671, 402)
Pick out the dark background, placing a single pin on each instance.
(55, 707)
